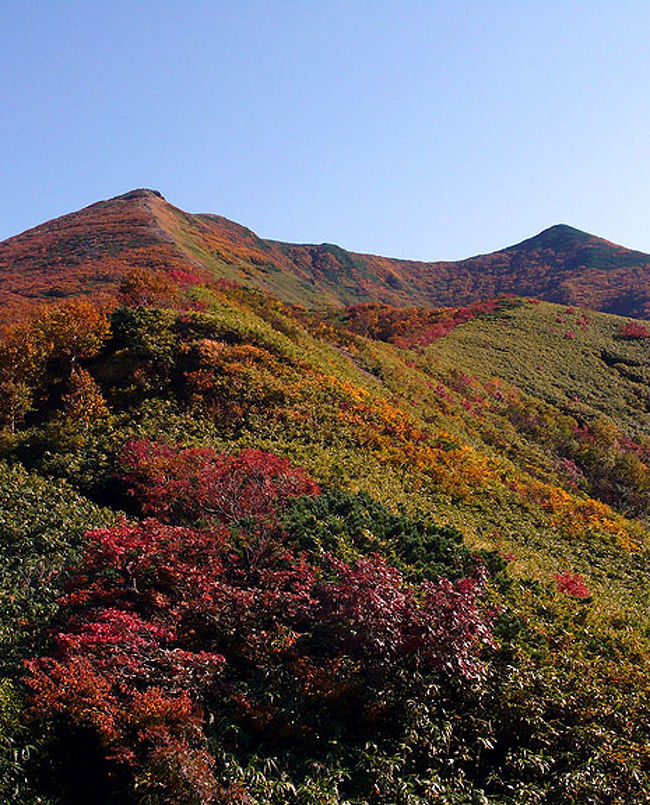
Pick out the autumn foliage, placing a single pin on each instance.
(46, 351)
(251, 634)
(634, 330)
(121, 666)
(162, 624)
(74, 330)
(415, 326)
(139, 235)
(572, 584)
(143, 287)
(199, 484)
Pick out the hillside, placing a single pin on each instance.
(90, 250)
(356, 555)
(265, 547)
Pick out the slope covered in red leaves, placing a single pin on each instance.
(91, 250)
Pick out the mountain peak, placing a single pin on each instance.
(564, 229)
(141, 192)
(557, 237)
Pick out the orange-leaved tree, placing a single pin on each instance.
(74, 331)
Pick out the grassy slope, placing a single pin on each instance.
(597, 373)
(519, 343)
(527, 348)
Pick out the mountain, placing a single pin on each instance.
(254, 552)
(88, 251)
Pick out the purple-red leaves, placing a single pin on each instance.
(160, 620)
(380, 618)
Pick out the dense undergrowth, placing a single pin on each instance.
(376, 556)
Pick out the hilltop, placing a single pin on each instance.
(89, 251)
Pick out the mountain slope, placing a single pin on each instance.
(90, 250)
(389, 538)
(294, 637)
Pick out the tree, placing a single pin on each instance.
(122, 667)
(197, 484)
(143, 287)
(75, 330)
(22, 359)
(83, 402)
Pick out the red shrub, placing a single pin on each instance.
(198, 483)
(380, 618)
(159, 622)
(414, 326)
(159, 619)
(573, 585)
(634, 330)
(123, 665)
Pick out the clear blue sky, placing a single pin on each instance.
(415, 129)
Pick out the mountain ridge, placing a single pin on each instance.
(88, 251)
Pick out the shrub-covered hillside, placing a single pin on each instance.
(90, 251)
(257, 554)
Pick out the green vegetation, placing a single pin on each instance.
(594, 373)
(488, 466)
(42, 524)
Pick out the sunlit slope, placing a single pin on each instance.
(423, 427)
(90, 251)
(561, 264)
(549, 453)
(574, 359)
(87, 252)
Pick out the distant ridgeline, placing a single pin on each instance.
(286, 525)
(88, 252)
